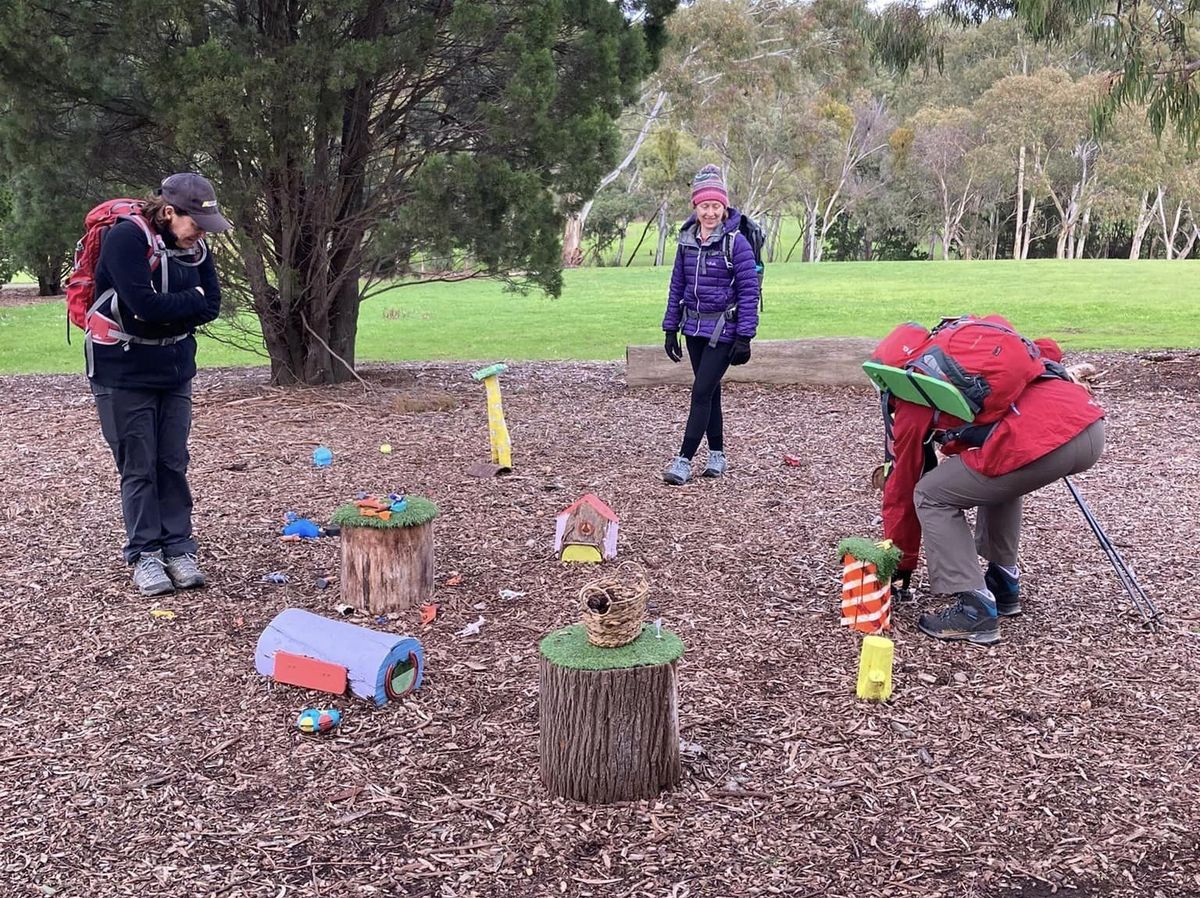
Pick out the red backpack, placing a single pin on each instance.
(985, 358)
(898, 347)
(81, 286)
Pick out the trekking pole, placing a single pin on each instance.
(1151, 616)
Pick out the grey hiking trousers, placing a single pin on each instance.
(147, 431)
(942, 495)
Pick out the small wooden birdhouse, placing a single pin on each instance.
(586, 530)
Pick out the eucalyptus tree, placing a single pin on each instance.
(1149, 49)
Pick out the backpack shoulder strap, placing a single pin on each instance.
(156, 249)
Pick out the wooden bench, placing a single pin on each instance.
(835, 361)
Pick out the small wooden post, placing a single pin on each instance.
(609, 717)
(387, 564)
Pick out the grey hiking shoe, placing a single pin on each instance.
(715, 466)
(972, 618)
(150, 575)
(679, 471)
(184, 572)
(1006, 588)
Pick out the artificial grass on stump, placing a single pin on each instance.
(886, 558)
(419, 511)
(569, 647)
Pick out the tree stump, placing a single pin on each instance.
(387, 564)
(609, 717)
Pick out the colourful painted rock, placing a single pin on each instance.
(318, 720)
(322, 457)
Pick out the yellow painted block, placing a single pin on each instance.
(875, 668)
(578, 553)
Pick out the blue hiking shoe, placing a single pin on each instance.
(1006, 589)
(715, 466)
(972, 618)
(679, 471)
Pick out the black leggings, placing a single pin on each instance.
(709, 364)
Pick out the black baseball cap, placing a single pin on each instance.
(192, 195)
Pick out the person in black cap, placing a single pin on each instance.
(155, 284)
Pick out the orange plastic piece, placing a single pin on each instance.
(866, 604)
(428, 613)
(300, 670)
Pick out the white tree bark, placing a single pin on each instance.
(576, 221)
(1019, 237)
(1145, 216)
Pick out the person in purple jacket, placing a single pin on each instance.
(713, 301)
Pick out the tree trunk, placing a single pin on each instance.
(387, 568)
(1169, 232)
(1145, 216)
(660, 251)
(1085, 225)
(49, 281)
(608, 735)
(1187, 249)
(572, 251)
(1019, 237)
(1028, 227)
(810, 236)
(776, 230)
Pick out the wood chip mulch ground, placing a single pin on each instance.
(143, 756)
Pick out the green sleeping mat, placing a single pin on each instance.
(920, 388)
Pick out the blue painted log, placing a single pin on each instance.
(375, 662)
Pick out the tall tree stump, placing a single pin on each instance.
(609, 717)
(387, 562)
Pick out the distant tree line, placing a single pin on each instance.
(1006, 148)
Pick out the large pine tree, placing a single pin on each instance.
(348, 138)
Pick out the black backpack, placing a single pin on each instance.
(757, 238)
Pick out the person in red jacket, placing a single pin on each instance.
(1055, 429)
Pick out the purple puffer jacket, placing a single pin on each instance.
(704, 284)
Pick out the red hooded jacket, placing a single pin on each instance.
(1050, 413)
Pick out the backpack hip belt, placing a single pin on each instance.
(727, 315)
(110, 331)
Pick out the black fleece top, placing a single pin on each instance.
(146, 312)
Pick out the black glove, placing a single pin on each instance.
(740, 354)
(671, 345)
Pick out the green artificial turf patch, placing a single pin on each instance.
(419, 511)
(569, 647)
(886, 560)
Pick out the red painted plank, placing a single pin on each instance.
(300, 670)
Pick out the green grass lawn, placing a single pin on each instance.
(1087, 304)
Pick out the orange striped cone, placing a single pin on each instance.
(866, 604)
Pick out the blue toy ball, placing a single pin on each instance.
(322, 457)
(318, 720)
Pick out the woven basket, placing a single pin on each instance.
(613, 609)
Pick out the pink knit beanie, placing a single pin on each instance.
(709, 185)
